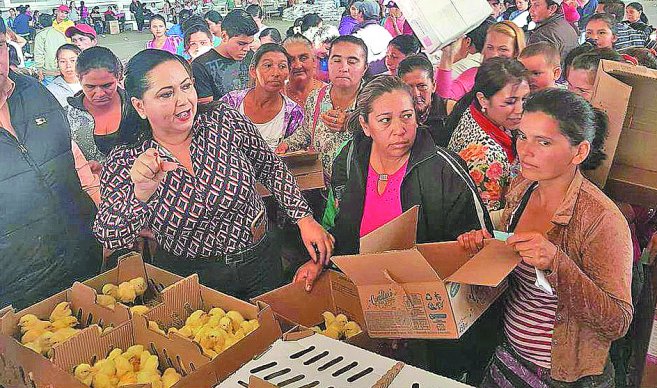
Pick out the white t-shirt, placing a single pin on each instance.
(274, 130)
(376, 37)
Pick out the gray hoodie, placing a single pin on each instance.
(61, 90)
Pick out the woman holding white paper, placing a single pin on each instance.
(566, 229)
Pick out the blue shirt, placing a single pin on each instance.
(176, 29)
(22, 24)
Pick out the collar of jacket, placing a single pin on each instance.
(554, 18)
(76, 100)
(424, 148)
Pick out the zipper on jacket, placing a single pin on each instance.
(26, 155)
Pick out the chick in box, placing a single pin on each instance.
(337, 326)
(126, 292)
(41, 335)
(134, 366)
(216, 330)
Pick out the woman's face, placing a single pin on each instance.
(392, 124)
(199, 44)
(395, 12)
(632, 15)
(393, 58)
(499, 45)
(99, 87)
(66, 63)
(522, 5)
(505, 107)
(347, 65)
(303, 62)
(215, 28)
(544, 152)
(271, 72)
(580, 82)
(353, 11)
(169, 104)
(158, 28)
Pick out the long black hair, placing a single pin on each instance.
(133, 129)
(578, 120)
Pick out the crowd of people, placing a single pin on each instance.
(162, 155)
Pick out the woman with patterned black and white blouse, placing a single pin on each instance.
(190, 177)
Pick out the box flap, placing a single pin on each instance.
(613, 67)
(611, 96)
(397, 234)
(489, 267)
(397, 267)
(256, 382)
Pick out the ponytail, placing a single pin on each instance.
(597, 155)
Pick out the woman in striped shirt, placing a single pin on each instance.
(570, 296)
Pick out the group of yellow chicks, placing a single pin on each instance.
(134, 366)
(337, 326)
(216, 330)
(125, 292)
(40, 335)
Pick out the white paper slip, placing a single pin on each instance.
(542, 282)
(502, 236)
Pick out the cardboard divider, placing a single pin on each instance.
(489, 267)
(83, 295)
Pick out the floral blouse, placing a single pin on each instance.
(326, 141)
(487, 161)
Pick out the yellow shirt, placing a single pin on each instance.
(63, 26)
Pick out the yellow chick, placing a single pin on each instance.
(32, 335)
(42, 344)
(111, 290)
(123, 366)
(101, 380)
(139, 309)
(105, 367)
(216, 312)
(62, 335)
(127, 293)
(139, 285)
(209, 352)
(236, 318)
(351, 329)
(84, 374)
(197, 319)
(255, 324)
(170, 377)
(331, 332)
(143, 357)
(186, 332)
(31, 322)
(107, 328)
(106, 301)
(230, 341)
(153, 326)
(316, 329)
(128, 378)
(214, 320)
(226, 324)
(114, 354)
(63, 309)
(148, 372)
(201, 333)
(246, 327)
(342, 319)
(64, 322)
(211, 338)
(239, 334)
(329, 318)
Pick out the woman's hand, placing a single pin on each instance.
(308, 273)
(334, 119)
(448, 53)
(147, 172)
(535, 249)
(318, 241)
(282, 148)
(473, 241)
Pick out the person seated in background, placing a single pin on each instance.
(275, 115)
(177, 28)
(626, 35)
(602, 31)
(559, 334)
(486, 116)
(61, 22)
(417, 72)
(396, 23)
(270, 35)
(214, 19)
(198, 41)
(321, 40)
(226, 67)
(348, 22)
(303, 69)
(399, 48)
(82, 35)
(327, 108)
(521, 15)
(551, 26)
(98, 20)
(503, 39)
(637, 19)
(161, 41)
(67, 83)
(373, 34)
(46, 44)
(543, 63)
(257, 14)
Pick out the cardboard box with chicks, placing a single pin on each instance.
(71, 340)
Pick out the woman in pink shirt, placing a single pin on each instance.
(504, 39)
(160, 40)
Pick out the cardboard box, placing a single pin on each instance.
(649, 379)
(306, 168)
(302, 358)
(438, 23)
(626, 93)
(113, 27)
(435, 290)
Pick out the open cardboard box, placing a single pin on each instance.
(627, 94)
(333, 292)
(434, 290)
(304, 359)
(438, 23)
(306, 167)
(187, 296)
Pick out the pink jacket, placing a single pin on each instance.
(570, 13)
(454, 89)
